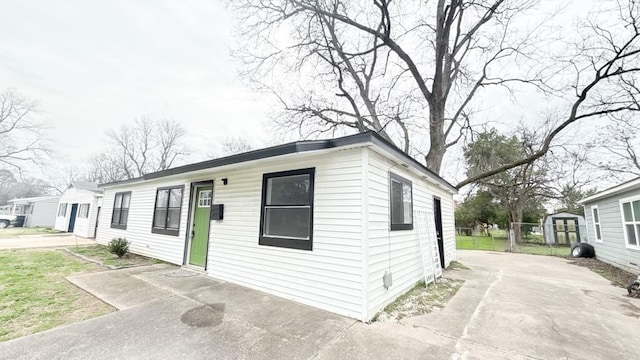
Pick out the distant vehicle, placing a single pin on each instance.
(7, 220)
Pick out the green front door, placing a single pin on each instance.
(200, 225)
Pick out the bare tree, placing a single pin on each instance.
(412, 69)
(142, 147)
(231, 146)
(21, 137)
(403, 70)
(103, 168)
(619, 145)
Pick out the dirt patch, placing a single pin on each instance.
(617, 276)
(421, 300)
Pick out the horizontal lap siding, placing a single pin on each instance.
(612, 249)
(74, 196)
(395, 251)
(329, 277)
(164, 247)
(85, 227)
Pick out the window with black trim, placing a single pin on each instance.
(401, 202)
(83, 211)
(62, 210)
(166, 216)
(120, 211)
(286, 216)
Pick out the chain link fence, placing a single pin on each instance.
(553, 238)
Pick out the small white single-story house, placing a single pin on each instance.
(78, 209)
(317, 222)
(564, 228)
(613, 224)
(38, 211)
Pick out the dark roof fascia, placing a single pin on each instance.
(290, 148)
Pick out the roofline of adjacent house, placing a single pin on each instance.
(291, 148)
(35, 198)
(611, 191)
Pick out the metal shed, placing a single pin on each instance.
(564, 228)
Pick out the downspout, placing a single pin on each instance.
(364, 169)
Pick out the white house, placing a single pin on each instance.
(317, 222)
(38, 211)
(613, 224)
(78, 209)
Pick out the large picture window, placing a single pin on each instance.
(120, 210)
(286, 218)
(166, 216)
(631, 221)
(83, 212)
(401, 202)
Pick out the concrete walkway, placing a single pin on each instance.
(43, 241)
(510, 307)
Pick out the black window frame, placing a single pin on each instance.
(298, 244)
(399, 226)
(86, 212)
(62, 208)
(164, 230)
(120, 224)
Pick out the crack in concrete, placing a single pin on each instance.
(460, 352)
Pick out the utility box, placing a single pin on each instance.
(217, 211)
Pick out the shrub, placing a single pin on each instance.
(119, 247)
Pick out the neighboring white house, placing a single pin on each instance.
(613, 224)
(78, 208)
(564, 228)
(317, 222)
(38, 211)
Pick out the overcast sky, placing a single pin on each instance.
(94, 65)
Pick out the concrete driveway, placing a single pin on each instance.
(510, 307)
(43, 241)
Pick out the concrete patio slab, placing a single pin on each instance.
(510, 307)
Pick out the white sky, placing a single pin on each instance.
(94, 65)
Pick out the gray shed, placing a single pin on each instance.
(613, 224)
(564, 228)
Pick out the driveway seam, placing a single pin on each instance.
(328, 343)
(459, 352)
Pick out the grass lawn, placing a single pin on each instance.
(34, 295)
(101, 253)
(501, 244)
(13, 232)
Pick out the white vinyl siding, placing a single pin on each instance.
(84, 227)
(43, 213)
(399, 252)
(168, 248)
(329, 276)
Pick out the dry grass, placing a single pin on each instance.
(101, 254)
(35, 296)
(421, 300)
